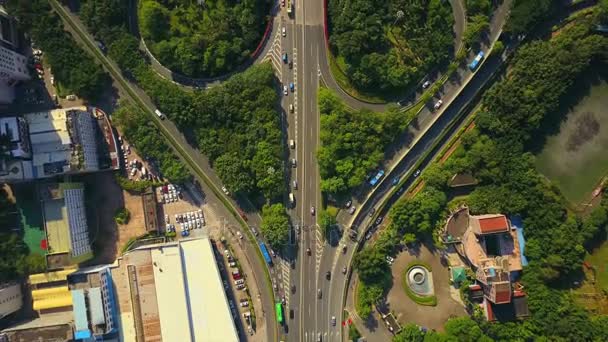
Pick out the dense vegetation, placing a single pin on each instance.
(197, 40)
(74, 70)
(136, 126)
(352, 142)
(526, 14)
(478, 20)
(389, 45)
(516, 113)
(275, 225)
(15, 259)
(122, 215)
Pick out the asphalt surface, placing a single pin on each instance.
(188, 152)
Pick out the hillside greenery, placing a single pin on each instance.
(352, 142)
(275, 225)
(137, 128)
(516, 114)
(202, 40)
(390, 45)
(74, 70)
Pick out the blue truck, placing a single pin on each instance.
(475, 63)
(265, 254)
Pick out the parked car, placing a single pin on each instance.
(225, 190)
(438, 104)
(417, 173)
(379, 220)
(426, 84)
(352, 210)
(348, 204)
(390, 259)
(285, 90)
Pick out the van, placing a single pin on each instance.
(292, 143)
(159, 114)
(292, 200)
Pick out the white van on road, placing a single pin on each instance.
(159, 114)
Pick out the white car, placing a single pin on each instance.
(291, 108)
(417, 173)
(239, 282)
(426, 84)
(225, 190)
(438, 104)
(390, 259)
(285, 90)
(284, 32)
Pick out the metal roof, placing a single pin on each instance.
(96, 306)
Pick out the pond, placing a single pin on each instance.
(576, 158)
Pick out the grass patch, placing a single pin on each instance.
(575, 158)
(122, 216)
(421, 300)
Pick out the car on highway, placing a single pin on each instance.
(285, 57)
(319, 294)
(292, 143)
(292, 87)
(395, 181)
(328, 275)
(333, 321)
(312, 210)
(225, 190)
(352, 234)
(438, 104)
(400, 191)
(308, 251)
(344, 270)
(284, 32)
(157, 112)
(295, 185)
(379, 220)
(369, 235)
(390, 259)
(426, 84)
(352, 210)
(344, 249)
(291, 108)
(319, 337)
(417, 173)
(371, 212)
(285, 90)
(294, 162)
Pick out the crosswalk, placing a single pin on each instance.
(326, 336)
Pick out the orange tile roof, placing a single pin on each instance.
(493, 224)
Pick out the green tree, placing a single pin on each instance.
(275, 225)
(409, 333)
(371, 266)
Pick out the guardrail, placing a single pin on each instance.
(174, 144)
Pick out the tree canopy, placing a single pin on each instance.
(352, 142)
(275, 225)
(74, 70)
(202, 40)
(390, 45)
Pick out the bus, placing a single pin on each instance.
(279, 309)
(265, 254)
(475, 63)
(376, 178)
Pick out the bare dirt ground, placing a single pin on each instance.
(111, 237)
(406, 310)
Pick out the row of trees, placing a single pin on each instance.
(202, 40)
(478, 20)
(75, 71)
(390, 45)
(352, 142)
(136, 126)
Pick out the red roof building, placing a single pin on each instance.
(489, 224)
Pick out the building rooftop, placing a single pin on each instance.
(172, 292)
(489, 224)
